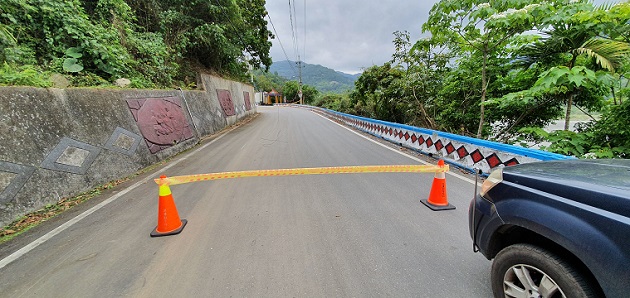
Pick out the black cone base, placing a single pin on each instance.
(436, 207)
(155, 233)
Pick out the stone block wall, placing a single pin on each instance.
(56, 143)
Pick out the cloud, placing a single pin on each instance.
(346, 35)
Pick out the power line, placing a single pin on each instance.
(294, 35)
(285, 52)
(296, 44)
(304, 36)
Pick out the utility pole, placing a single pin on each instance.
(251, 74)
(300, 80)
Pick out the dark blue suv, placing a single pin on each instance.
(556, 229)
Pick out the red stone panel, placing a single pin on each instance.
(161, 121)
(248, 105)
(225, 99)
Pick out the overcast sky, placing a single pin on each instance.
(347, 35)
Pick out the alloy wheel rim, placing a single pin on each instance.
(526, 281)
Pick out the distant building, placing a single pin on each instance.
(272, 97)
(259, 97)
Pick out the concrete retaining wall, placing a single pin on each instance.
(465, 152)
(56, 143)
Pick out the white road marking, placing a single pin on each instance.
(24, 250)
(471, 181)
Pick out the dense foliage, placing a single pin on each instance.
(290, 92)
(503, 70)
(265, 81)
(324, 79)
(154, 43)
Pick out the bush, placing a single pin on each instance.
(607, 138)
(12, 75)
(148, 42)
(612, 132)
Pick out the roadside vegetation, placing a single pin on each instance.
(504, 70)
(49, 211)
(33, 219)
(498, 70)
(152, 43)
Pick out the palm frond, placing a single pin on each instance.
(604, 6)
(609, 54)
(6, 37)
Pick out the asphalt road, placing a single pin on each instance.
(351, 235)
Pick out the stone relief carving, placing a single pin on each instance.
(225, 99)
(161, 121)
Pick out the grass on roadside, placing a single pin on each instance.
(49, 211)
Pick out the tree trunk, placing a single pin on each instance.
(483, 91)
(567, 118)
(427, 119)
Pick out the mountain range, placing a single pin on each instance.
(324, 79)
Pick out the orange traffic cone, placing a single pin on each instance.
(438, 199)
(168, 218)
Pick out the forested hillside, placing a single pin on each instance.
(153, 43)
(266, 80)
(322, 78)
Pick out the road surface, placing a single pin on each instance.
(350, 235)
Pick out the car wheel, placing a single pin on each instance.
(524, 270)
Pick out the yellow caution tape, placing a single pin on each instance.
(302, 171)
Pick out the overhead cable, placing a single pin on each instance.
(285, 52)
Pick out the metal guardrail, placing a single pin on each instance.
(465, 152)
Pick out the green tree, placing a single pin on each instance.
(424, 68)
(14, 48)
(608, 137)
(510, 114)
(6, 41)
(614, 24)
(378, 91)
(216, 34)
(255, 34)
(151, 42)
(477, 27)
(571, 35)
(265, 81)
(457, 101)
(290, 92)
(612, 132)
(336, 102)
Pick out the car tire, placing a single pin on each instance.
(519, 270)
